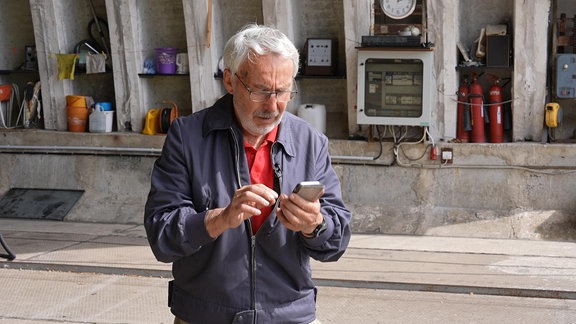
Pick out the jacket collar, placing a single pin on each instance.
(221, 117)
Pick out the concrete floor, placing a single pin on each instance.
(65, 297)
(71, 272)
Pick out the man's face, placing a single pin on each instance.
(266, 73)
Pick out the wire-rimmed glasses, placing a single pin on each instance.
(262, 96)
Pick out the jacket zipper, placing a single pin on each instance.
(252, 271)
(277, 169)
(249, 229)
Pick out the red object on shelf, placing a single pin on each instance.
(495, 113)
(462, 133)
(477, 112)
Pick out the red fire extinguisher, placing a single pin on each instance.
(496, 113)
(477, 111)
(463, 126)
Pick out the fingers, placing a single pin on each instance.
(250, 199)
(257, 196)
(246, 202)
(297, 213)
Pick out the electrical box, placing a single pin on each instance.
(566, 76)
(394, 86)
(498, 51)
(320, 56)
(447, 156)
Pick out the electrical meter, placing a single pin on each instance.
(566, 76)
(320, 56)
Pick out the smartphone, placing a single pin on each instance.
(309, 190)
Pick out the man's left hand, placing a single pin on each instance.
(299, 214)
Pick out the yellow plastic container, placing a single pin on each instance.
(152, 122)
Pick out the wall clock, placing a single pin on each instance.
(398, 9)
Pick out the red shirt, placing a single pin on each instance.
(260, 165)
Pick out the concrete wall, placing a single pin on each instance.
(521, 189)
(114, 171)
(489, 191)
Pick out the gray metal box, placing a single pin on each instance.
(498, 51)
(566, 76)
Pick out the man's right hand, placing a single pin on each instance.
(247, 202)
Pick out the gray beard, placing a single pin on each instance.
(252, 128)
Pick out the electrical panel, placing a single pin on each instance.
(320, 54)
(394, 87)
(566, 76)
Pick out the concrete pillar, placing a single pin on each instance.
(203, 51)
(126, 55)
(530, 68)
(355, 25)
(50, 40)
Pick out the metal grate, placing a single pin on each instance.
(49, 204)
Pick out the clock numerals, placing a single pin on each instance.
(398, 9)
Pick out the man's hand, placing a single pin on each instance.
(299, 214)
(246, 203)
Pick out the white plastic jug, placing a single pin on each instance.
(315, 114)
(100, 121)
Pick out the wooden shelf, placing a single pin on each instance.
(148, 75)
(18, 71)
(301, 77)
(483, 68)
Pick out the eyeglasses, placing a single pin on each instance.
(262, 96)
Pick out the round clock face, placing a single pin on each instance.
(398, 9)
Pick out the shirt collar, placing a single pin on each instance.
(270, 138)
(272, 135)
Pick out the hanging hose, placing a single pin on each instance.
(10, 255)
(12, 98)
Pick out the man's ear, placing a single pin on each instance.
(227, 79)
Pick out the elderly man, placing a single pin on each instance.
(221, 206)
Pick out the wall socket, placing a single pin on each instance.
(446, 156)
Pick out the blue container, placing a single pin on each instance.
(104, 106)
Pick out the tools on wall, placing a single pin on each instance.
(9, 100)
(94, 53)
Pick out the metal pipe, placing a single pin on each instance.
(352, 157)
(81, 149)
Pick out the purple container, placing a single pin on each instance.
(166, 60)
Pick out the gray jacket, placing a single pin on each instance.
(239, 277)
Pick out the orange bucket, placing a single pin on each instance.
(76, 101)
(77, 118)
(77, 112)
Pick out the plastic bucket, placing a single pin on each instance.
(166, 60)
(77, 117)
(101, 121)
(106, 106)
(77, 113)
(76, 101)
